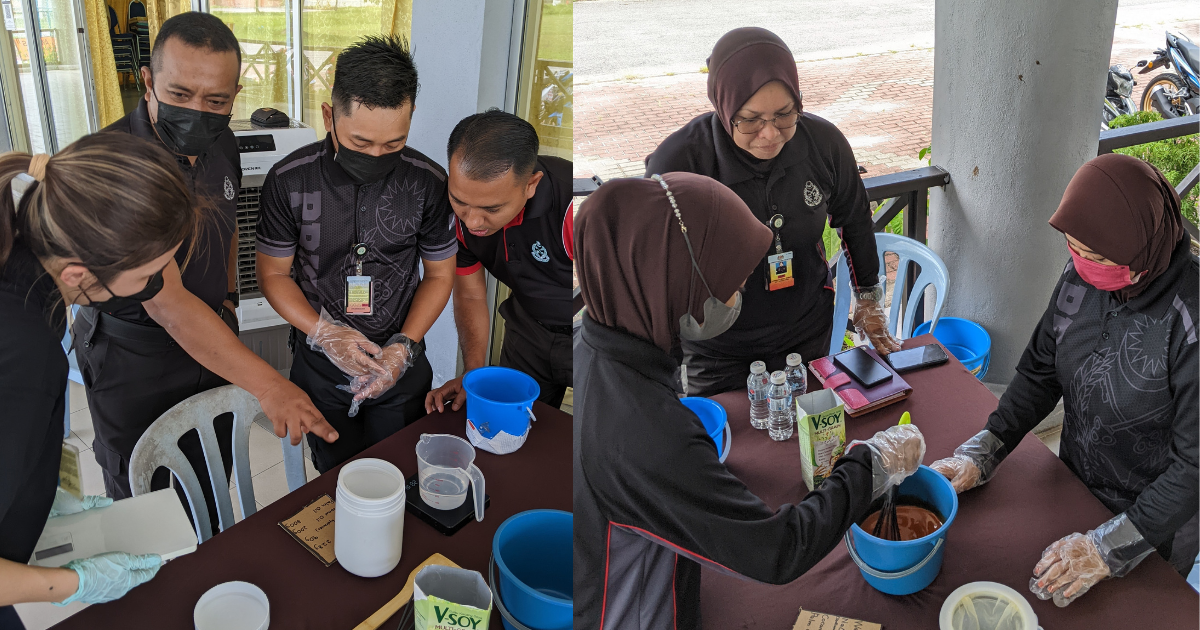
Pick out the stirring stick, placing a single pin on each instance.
(381, 616)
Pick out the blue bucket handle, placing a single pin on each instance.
(728, 443)
(873, 572)
(529, 410)
(496, 596)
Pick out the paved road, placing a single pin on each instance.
(616, 39)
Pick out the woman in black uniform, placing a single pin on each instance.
(794, 170)
(76, 236)
(660, 261)
(1118, 345)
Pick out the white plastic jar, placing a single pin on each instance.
(368, 533)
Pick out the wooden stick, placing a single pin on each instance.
(383, 614)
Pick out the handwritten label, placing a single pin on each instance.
(313, 528)
(809, 620)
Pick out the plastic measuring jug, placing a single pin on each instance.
(445, 467)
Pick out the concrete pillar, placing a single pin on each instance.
(1017, 93)
(461, 50)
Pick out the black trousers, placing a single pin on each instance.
(377, 418)
(711, 375)
(9, 619)
(533, 349)
(133, 374)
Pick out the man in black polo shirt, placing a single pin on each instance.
(515, 219)
(350, 218)
(139, 360)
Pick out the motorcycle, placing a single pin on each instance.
(1118, 95)
(1173, 94)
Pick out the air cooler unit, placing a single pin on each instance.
(263, 330)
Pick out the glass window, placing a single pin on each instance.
(329, 27)
(544, 97)
(263, 28)
(57, 33)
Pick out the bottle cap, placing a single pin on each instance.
(794, 359)
(758, 367)
(778, 377)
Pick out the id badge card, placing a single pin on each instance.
(779, 271)
(360, 295)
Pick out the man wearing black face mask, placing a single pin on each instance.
(346, 228)
(144, 353)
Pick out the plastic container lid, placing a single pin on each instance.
(987, 606)
(371, 485)
(794, 359)
(232, 606)
(778, 377)
(758, 367)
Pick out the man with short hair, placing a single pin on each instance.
(516, 220)
(342, 227)
(139, 361)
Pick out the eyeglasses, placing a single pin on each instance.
(751, 126)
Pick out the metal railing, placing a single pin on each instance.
(1113, 139)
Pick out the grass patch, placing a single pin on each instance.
(1174, 157)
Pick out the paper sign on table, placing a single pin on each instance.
(69, 477)
(809, 620)
(313, 528)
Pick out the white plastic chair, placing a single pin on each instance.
(932, 273)
(158, 447)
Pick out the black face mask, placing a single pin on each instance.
(187, 131)
(362, 167)
(120, 302)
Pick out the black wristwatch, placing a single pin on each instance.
(234, 298)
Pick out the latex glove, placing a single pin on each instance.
(395, 358)
(895, 455)
(1068, 569)
(448, 395)
(347, 348)
(961, 471)
(871, 322)
(67, 503)
(109, 576)
(974, 462)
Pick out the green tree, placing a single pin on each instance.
(1174, 157)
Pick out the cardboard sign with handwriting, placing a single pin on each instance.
(809, 620)
(313, 528)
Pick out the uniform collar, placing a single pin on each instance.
(639, 354)
(517, 220)
(542, 196)
(732, 168)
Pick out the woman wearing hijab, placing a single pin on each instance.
(661, 260)
(1118, 344)
(794, 170)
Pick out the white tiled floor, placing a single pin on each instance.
(266, 470)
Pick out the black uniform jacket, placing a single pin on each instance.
(652, 503)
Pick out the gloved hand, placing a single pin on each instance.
(108, 576)
(347, 348)
(974, 461)
(895, 455)
(871, 322)
(961, 471)
(1074, 564)
(66, 503)
(396, 357)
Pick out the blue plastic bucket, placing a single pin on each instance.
(500, 399)
(715, 420)
(905, 567)
(966, 340)
(533, 552)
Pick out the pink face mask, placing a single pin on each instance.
(1103, 277)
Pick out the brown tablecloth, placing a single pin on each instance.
(304, 594)
(998, 536)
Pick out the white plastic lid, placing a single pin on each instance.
(794, 359)
(778, 377)
(758, 367)
(987, 606)
(232, 606)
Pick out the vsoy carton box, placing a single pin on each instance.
(822, 433)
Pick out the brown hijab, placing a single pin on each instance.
(1125, 210)
(744, 60)
(633, 264)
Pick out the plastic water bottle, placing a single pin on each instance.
(756, 388)
(797, 376)
(779, 398)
